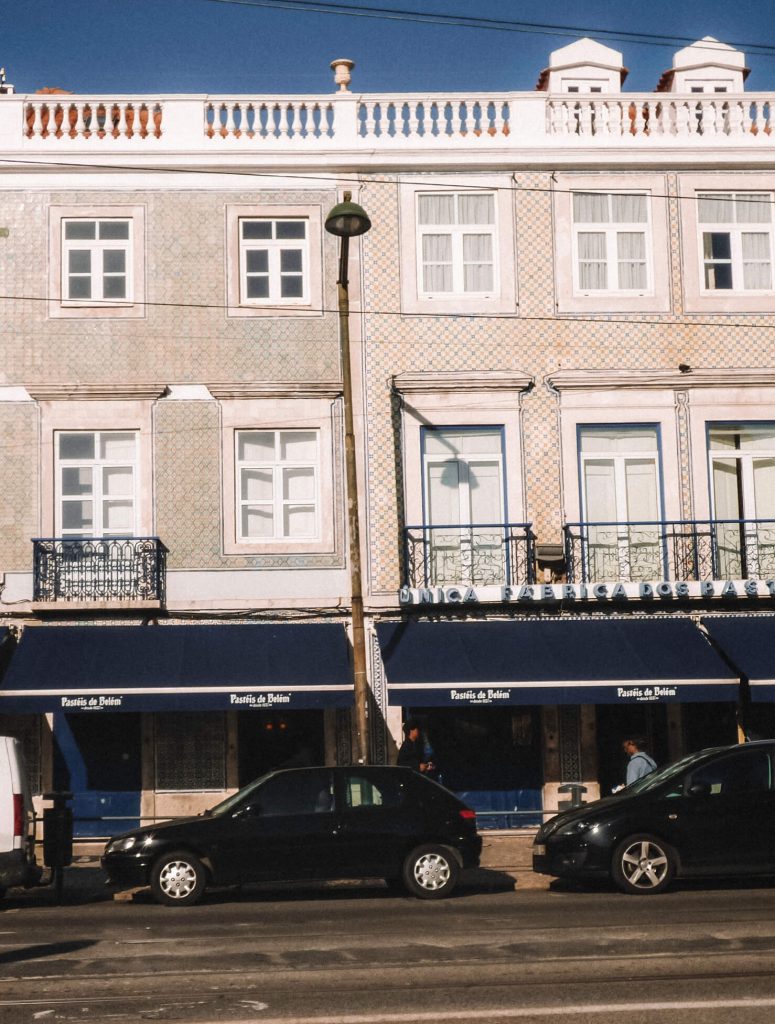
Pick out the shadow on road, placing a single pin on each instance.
(681, 885)
(16, 956)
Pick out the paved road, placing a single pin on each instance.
(358, 955)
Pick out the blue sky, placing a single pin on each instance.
(200, 46)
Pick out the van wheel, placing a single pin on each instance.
(178, 879)
(430, 872)
(643, 865)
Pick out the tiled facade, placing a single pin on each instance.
(186, 370)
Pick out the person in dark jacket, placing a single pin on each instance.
(412, 751)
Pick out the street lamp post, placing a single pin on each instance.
(347, 220)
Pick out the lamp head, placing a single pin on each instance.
(347, 219)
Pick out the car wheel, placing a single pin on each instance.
(178, 879)
(643, 865)
(430, 872)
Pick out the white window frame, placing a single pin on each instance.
(97, 497)
(698, 299)
(278, 467)
(745, 459)
(311, 302)
(502, 298)
(735, 230)
(97, 248)
(457, 231)
(274, 247)
(656, 296)
(281, 414)
(611, 230)
(619, 460)
(60, 306)
(464, 498)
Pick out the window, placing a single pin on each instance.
(464, 505)
(742, 471)
(456, 244)
(277, 485)
(96, 474)
(190, 751)
(363, 790)
(96, 260)
(274, 260)
(611, 243)
(620, 484)
(735, 230)
(611, 240)
(746, 772)
(292, 793)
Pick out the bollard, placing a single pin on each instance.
(58, 838)
(576, 789)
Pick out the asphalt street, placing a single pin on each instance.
(355, 954)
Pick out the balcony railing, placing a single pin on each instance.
(479, 555)
(694, 549)
(88, 569)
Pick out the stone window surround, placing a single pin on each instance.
(449, 399)
(696, 299)
(59, 308)
(504, 299)
(658, 298)
(94, 415)
(241, 410)
(313, 214)
(651, 396)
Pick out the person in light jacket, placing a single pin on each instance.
(640, 762)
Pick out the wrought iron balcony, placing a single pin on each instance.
(684, 549)
(89, 569)
(482, 554)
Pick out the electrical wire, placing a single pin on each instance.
(489, 24)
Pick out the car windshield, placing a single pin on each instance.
(670, 771)
(237, 798)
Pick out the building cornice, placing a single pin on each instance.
(433, 382)
(644, 380)
(95, 392)
(275, 389)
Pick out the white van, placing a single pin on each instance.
(17, 837)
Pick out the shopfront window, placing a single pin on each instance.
(190, 751)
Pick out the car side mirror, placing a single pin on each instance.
(699, 789)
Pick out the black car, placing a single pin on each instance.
(307, 823)
(710, 814)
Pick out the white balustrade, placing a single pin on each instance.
(377, 123)
(744, 118)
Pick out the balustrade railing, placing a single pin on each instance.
(377, 122)
(92, 119)
(98, 569)
(745, 118)
(482, 554)
(670, 550)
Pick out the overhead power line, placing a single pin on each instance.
(488, 24)
(363, 178)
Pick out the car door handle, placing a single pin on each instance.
(672, 817)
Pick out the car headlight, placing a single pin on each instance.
(122, 845)
(577, 828)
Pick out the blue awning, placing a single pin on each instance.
(187, 668)
(581, 661)
(748, 641)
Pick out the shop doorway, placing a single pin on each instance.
(708, 725)
(97, 757)
(491, 757)
(266, 740)
(616, 722)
